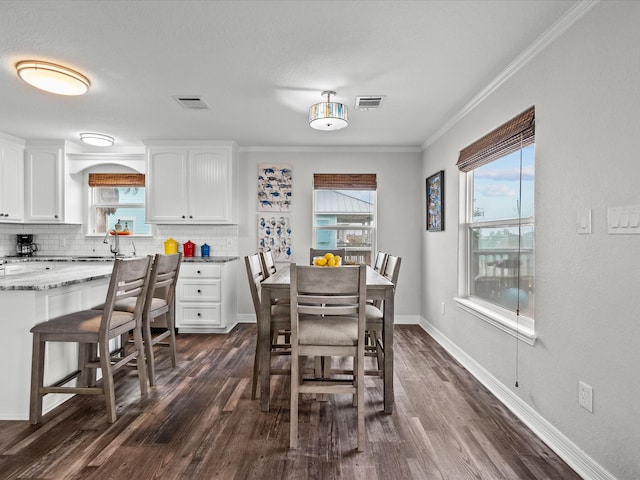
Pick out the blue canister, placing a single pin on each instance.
(204, 250)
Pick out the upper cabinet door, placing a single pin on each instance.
(166, 186)
(11, 183)
(210, 185)
(43, 173)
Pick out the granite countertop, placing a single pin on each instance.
(98, 258)
(66, 270)
(60, 276)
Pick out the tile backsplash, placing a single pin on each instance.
(55, 240)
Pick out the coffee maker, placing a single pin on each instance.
(25, 246)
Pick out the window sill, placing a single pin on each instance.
(523, 330)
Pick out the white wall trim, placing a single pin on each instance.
(346, 148)
(557, 29)
(582, 463)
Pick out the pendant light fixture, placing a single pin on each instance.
(53, 78)
(97, 139)
(328, 115)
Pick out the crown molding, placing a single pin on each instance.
(557, 29)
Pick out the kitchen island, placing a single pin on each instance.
(39, 292)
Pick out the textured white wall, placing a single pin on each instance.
(587, 97)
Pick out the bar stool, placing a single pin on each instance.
(92, 330)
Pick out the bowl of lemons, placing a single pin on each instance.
(328, 260)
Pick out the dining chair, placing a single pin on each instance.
(268, 269)
(280, 322)
(381, 259)
(375, 314)
(327, 319)
(92, 330)
(319, 252)
(158, 315)
(268, 263)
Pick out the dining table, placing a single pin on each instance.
(278, 285)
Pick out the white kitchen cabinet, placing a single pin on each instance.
(206, 298)
(51, 195)
(191, 183)
(11, 181)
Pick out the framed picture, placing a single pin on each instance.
(435, 202)
(274, 188)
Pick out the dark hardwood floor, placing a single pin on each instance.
(200, 423)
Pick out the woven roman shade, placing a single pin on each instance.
(344, 181)
(507, 138)
(116, 180)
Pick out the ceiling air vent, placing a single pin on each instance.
(191, 102)
(369, 102)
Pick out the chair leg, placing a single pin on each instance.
(293, 417)
(256, 373)
(142, 368)
(107, 381)
(377, 344)
(360, 395)
(171, 324)
(148, 350)
(37, 379)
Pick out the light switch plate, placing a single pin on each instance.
(584, 221)
(623, 220)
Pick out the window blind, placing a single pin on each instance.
(344, 181)
(116, 180)
(507, 138)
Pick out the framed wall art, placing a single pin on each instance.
(274, 233)
(274, 188)
(435, 202)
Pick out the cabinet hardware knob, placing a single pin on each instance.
(190, 216)
(199, 291)
(55, 216)
(199, 314)
(183, 216)
(199, 272)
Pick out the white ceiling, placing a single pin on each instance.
(260, 65)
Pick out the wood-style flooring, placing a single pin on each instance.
(199, 422)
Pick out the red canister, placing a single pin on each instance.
(189, 249)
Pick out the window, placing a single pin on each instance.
(117, 197)
(498, 239)
(345, 214)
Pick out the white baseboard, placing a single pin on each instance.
(582, 463)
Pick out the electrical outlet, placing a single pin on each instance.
(585, 396)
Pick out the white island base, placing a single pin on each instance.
(22, 309)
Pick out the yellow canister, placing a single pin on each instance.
(170, 246)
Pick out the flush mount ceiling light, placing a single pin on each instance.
(328, 115)
(97, 139)
(53, 78)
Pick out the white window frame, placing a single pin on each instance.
(90, 207)
(521, 327)
(371, 228)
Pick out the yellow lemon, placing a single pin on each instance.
(320, 262)
(328, 255)
(338, 260)
(332, 262)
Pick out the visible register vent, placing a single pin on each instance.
(191, 102)
(369, 102)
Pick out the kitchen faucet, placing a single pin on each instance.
(115, 249)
